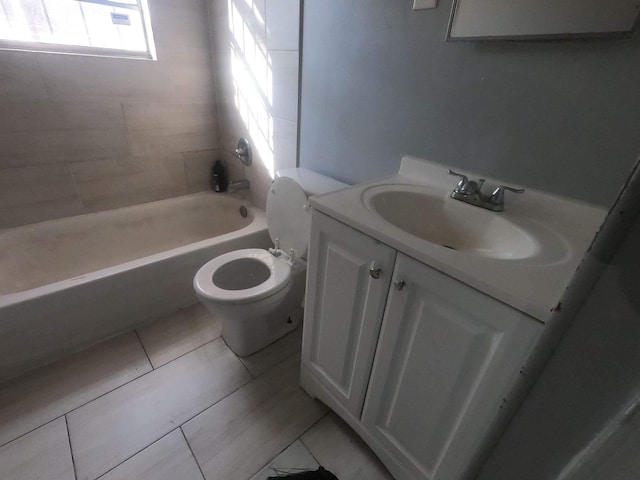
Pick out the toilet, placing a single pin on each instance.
(259, 293)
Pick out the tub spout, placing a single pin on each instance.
(242, 184)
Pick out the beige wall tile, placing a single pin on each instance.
(197, 168)
(262, 418)
(283, 24)
(151, 142)
(43, 453)
(20, 78)
(284, 85)
(55, 146)
(75, 77)
(37, 116)
(32, 194)
(28, 185)
(341, 451)
(162, 128)
(168, 338)
(119, 424)
(235, 169)
(193, 73)
(114, 183)
(167, 459)
(180, 117)
(39, 397)
(179, 24)
(239, 27)
(285, 143)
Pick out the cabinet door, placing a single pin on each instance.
(343, 308)
(447, 355)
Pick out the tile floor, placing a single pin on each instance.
(171, 401)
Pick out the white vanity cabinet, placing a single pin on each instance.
(350, 274)
(415, 361)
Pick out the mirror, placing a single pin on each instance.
(534, 19)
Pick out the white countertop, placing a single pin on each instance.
(532, 285)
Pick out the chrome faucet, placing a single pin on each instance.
(470, 191)
(242, 184)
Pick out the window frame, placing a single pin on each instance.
(84, 50)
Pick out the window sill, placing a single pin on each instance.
(35, 47)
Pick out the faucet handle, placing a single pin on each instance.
(463, 178)
(466, 186)
(497, 197)
(463, 184)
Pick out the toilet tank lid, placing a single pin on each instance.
(312, 183)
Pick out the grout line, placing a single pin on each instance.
(292, 442)
(141, 376)
(309, 450)
(326, 414)
(30, 431)
(134, 454)
(75, 187)
(149, 372)
(73, 460)
(191, 450)
(192, 350)
(144, 349)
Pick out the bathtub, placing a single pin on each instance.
(68, 283)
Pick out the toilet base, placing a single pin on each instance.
(266, 330)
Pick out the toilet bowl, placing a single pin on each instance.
(259, 293)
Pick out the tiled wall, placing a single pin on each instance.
(256, 45)
(80, 134)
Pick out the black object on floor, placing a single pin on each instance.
(320, 474)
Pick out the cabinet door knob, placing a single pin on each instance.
(399, 284)
(375, 272)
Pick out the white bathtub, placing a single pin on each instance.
(68, 283)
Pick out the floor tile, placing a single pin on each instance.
(339, 449)
(167, 459)
(41, 454)
(167, 338)
(118, 425)
(275, 353)
(47, 393)
(235, 438)
(296, 458)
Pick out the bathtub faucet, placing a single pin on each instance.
(242, 184)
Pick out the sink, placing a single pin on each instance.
(432, 215)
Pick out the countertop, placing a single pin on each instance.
(532, 285)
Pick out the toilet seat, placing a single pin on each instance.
(279, 276)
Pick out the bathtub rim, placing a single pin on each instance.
(258, 222)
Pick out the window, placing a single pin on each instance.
(98, 27)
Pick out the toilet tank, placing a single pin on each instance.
(312, 183)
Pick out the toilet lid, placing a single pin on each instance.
(288, 216)
(238, 277)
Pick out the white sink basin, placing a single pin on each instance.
(524, 256)
(435, 217)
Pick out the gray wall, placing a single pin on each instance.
(379, 81)
(80, 134)
(592, 376)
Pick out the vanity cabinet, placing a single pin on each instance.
(415, 361)
(350, 274)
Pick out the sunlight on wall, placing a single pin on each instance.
(252, 77)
